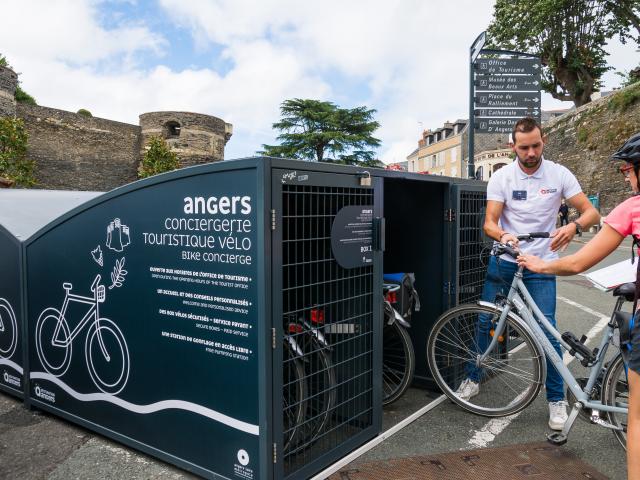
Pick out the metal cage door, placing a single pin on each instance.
(326, 323)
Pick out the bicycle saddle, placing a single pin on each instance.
(627, 290)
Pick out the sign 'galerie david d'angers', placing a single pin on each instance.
(142, 318)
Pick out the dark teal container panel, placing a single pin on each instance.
(11, 351)
(143, 319)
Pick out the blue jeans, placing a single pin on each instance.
(543, 291)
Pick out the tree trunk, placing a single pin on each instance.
(570, 80)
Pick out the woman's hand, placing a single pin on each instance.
(532, 263)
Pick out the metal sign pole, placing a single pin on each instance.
(474, 51)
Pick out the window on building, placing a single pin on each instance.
(171, 129)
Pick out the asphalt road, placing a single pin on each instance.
(447, 428)
(35, 445)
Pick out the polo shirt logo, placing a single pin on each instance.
(548, 191)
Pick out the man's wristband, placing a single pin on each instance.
(503, 234)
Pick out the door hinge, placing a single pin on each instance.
(448, 288)
(449, 215)
(273, 219)
(275, 453)
(273, 338)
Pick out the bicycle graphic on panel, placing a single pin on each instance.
(106, 350)
(8, 330)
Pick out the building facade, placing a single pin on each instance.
(440, 151)
(489, 162)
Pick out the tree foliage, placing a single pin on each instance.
(312, 129)
(158, 158)
(568, 35)
(14, 163)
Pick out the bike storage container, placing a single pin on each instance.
(434, 230)
(22, 213)
(228, 318)
(200, 316)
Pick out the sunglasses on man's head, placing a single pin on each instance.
(626, 170)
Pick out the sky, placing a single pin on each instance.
(240, 59)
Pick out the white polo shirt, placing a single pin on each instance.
(531, 202)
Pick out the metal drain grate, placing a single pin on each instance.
(539, 461)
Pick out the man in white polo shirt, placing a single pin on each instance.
(524, 197)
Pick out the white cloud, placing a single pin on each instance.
(68, 31)
(408, 60)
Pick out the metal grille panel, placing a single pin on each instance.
(473, 257)
(327, 324)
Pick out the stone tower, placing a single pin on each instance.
(196, 138)
(8, 85)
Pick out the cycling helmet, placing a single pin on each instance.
(630, 151)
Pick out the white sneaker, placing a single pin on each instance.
(557, 415)
(467, 389)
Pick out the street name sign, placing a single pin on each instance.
(506, 66)
(508, 99)
(506, 112)
(507, 82)
(495, 125)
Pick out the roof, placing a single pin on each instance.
(24, 212)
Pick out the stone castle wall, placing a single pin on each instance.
(8, 84)
(583, 141)
(75, 152)
(201, 138)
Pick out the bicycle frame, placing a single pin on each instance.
(92, 312)
(526, 308)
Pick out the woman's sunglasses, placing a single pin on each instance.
(626, 170)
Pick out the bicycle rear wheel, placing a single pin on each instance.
(509, 378)
(398, 362)
(615, 392)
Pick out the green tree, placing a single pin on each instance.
(568, 35)
(158, 158)
(311, 129)
(14, 163)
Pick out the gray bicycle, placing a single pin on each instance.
(506, 341)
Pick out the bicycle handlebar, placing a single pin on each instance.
(532, 235)
(95, 282)
(512, 252)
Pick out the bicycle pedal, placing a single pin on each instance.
(557, 438)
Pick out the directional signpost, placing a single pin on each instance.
(513, 100)
(504, 87)
(505, 90)
(507, 82)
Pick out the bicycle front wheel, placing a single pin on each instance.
(398, 362)
(615, 392)
(506, 381)
(107, 356)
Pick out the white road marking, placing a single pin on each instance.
(481, 438)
